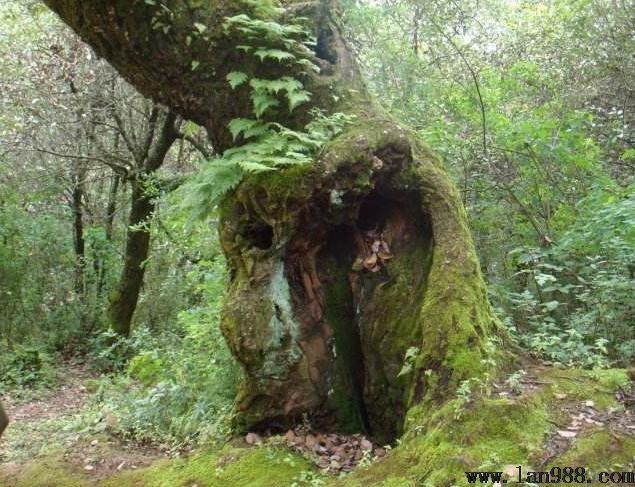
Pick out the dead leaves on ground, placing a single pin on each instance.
(331, 452)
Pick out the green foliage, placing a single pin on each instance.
(575, 299)
(498, 91)
(287, 43)
(180, 383)
(37, 298)
(25, 367)
(264, 145)
(268, 146)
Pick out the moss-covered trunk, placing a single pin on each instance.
(149, 157)
(125, 297)
(339, 270)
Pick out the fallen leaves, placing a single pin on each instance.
(375, 252)
(331, 452)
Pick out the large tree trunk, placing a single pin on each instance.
(315, 328)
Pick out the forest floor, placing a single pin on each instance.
(47, 422)
(46, 433)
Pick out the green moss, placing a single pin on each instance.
(47, 472)
(579, 385)
(599, 450)
(251, 467)
(612, 379)
(438, 448)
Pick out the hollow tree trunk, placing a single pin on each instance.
(339, 269)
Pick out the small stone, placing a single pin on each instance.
(89, 467)
(366, 445)
(290, 436)
(589, 404)
(252, 438)
(567, 433)
(559, 395)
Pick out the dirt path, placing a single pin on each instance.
(44, 426)
(68, 398)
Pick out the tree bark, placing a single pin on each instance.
(339, 270)
(79, 244)
(4, 420)
(124, 300)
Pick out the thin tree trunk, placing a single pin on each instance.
(4, 420)
(126, 296)
(124, 299)
(79, 243)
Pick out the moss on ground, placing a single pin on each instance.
(250, 467)
(577, 385)
(44, 472)
(600, 450)
(440, 444)
(245, 467)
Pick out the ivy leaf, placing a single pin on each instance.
(236, 78)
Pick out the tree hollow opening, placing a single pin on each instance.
(358, 287)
